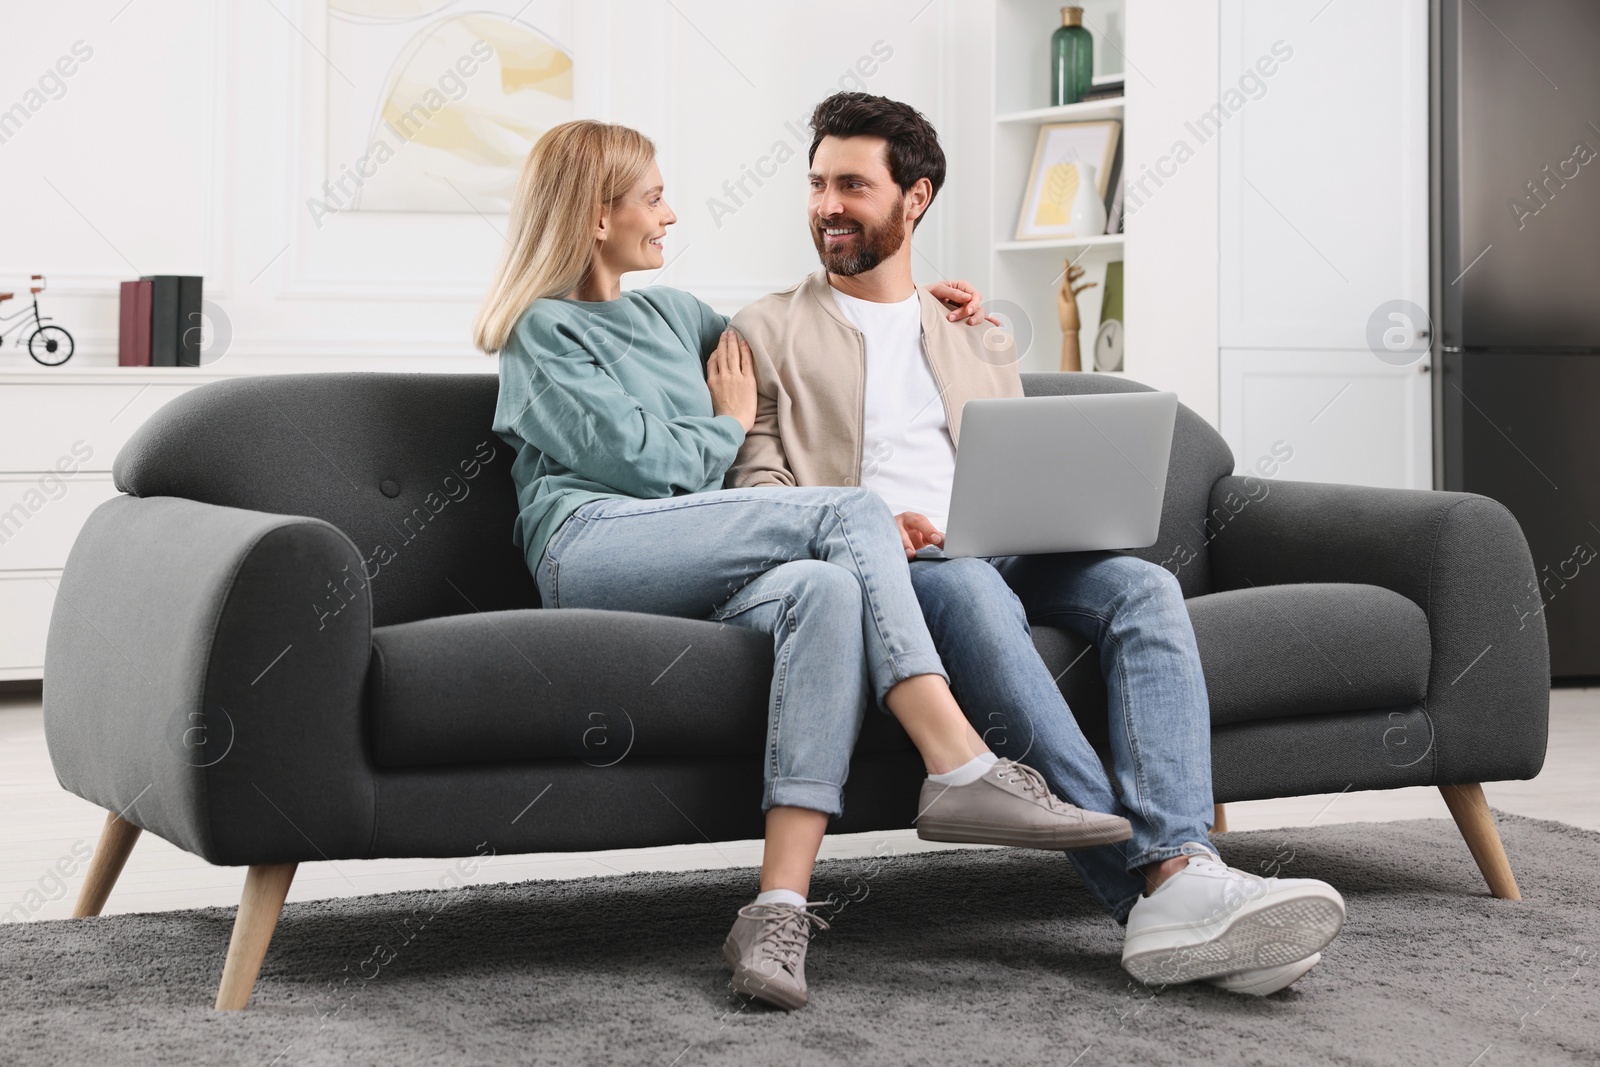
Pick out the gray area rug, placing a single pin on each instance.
(967, 957)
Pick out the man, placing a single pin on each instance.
(862, 378)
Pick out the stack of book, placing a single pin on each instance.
(1106, 87)
(1109, 87)
(160, 323)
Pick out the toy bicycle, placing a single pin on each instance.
(49, 345)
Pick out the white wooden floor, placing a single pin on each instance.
(45, 830)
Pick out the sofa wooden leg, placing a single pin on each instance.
(265, 888)
(1471, 812)
(116, 841)
(1219, 818)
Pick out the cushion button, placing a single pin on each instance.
(389, 488)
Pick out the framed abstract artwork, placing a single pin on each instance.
(433, 109)
(1054, 176)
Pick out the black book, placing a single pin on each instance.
(163, 319)
(189, 321)
(174, 320)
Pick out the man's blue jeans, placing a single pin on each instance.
(1160, 725)
(819, 569)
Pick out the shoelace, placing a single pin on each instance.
(1242, 886)
(786, 929)
(1032, 781)
(1210, 861)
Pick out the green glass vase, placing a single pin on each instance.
(1071, 59)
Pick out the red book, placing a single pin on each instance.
(133, 334)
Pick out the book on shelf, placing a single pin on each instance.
(174, 319)
(1114, 212)
(1109, 91)
(163, 319)
(189, 322)
(1114, 193)
(133, 325)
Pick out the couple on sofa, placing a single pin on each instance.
(831, 412)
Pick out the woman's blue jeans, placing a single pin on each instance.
(1132, 611)
(820, 569)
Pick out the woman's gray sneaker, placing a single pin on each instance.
(1011, 805)
(767, 950)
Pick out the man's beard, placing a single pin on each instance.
(874, 244)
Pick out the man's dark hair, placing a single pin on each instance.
(913, 145)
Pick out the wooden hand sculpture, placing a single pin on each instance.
(1067, 308)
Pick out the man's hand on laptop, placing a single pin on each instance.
(967, 302)
(916, 532)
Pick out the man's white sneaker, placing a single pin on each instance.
(1210, 920)
(1266, 981)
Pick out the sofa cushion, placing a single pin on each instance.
(1281, 650)
(597, 686)
(540, 684)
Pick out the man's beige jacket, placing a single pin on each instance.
(811, 374)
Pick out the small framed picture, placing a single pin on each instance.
(1053, 180)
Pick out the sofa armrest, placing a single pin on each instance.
(203, 678)
(1460, 557)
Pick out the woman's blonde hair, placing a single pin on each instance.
(573, 171)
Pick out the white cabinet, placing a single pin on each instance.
(24, 620)
(60, 432)
(41, 514)
(82, 420)
(1323, 235)
(1328, 417)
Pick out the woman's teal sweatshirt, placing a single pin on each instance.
(608, 398)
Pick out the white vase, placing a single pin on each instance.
(1088, 210)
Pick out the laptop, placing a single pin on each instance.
(1060, 474)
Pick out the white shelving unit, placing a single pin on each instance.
(1166, 52)
(1107, 241)
(1025, 276)
(1088, 111)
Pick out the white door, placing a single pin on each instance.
(1322, 126)
(1324, 168)
(1328, 417)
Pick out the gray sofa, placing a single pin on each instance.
(304, 634)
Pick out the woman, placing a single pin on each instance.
(625, 410)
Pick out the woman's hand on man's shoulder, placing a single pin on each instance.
(731, 377)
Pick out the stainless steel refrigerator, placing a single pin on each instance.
(1517, 290)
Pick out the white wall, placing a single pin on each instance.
(189, 142)
(1170, 272)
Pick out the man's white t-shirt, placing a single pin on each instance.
(907, 456)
